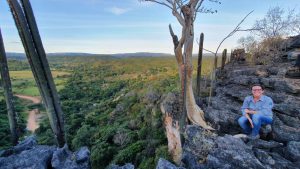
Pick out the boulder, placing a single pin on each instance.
(27, 144)
(164, 164)
(264, 158)
(262, 144)
(281, 162)
(293, 151)
(224, 121)
(284, 133)
(282, 85)
(38, 157)
(190, 161)
(289, 120)
(64, 158)
(198, 142)
(289, 107)
(232, 152)
(245, 71)
(28, 154)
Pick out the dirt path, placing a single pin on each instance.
(33, 115)
(34, 100)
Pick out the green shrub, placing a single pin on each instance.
(101, 155)
(162, 152)
(129, 153)
(83, 137)
(147, 163)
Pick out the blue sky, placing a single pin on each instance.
(122, 26)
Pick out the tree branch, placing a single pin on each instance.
(236, 29)
(177, 14)
(161, 3)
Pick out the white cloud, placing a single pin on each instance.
(118, 11)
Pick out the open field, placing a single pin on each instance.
(140, 68)
(24, 83)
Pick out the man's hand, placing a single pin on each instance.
(251, 123)
(250, 111)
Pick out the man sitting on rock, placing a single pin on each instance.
(256, 110)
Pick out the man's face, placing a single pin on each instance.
(257, 91)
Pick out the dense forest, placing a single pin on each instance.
(5, 136)
(109, 104)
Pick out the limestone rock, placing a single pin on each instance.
(28, 154)
(293, 150)
(232, 153)
(38, 157)
(164, 164)
(284, 133)
(126, 166)
(64, 158)
(199, 142)
(262, 144)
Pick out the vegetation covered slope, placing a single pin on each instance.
(112, 106)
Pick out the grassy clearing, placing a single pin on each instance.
(27, 74)
(24, 83)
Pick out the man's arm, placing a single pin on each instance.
(245, 106)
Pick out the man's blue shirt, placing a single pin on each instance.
(263, 106)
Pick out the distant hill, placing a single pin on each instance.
(70, 54)
(142, 54)
(22, 56)
(15, 56)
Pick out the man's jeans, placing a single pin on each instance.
(257, 120)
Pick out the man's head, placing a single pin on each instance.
(257, 90)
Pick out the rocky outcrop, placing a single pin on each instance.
(233, 85)
(231, 152)
(28, 154)
(198, 142)
(279, 144)
(207, 150)
(64, 158)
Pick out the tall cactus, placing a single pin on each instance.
(12, 116)
(224, 58)
(28, 31)
(200, 53)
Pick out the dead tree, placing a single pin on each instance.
(213, 74)
(200, 54)
(185, 13)
(28, 31)
(12, 115)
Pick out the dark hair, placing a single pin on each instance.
(256, 84)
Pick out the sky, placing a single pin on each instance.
(128, 26)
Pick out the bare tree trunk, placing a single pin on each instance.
(35, 53)
(171, 123)
(200, 53)
(224, 57)
(185, 13)
(12, 116)
(194, 112)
